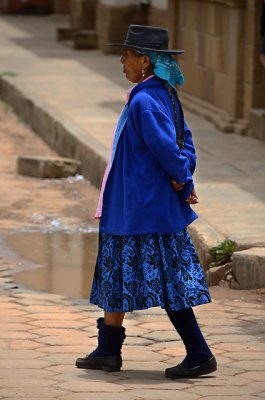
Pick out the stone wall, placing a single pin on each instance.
(113, 20)
(158, 13)
(221, 63)
(157, 17)
(82, 14)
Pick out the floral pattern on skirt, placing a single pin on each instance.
(136, 272)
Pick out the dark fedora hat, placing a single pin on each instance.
(143, 37)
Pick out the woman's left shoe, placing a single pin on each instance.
(107, 356)
(182, 371)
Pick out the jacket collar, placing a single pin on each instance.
(152, 82)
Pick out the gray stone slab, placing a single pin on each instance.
(248, 266)
(47, 167)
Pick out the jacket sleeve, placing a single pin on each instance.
(189, 150)
(159, 134)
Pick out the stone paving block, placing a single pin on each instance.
(26, 364)
(131, 322)
(162, 336)
(258, 376)
(247, 355)
(219, 381)
(167, 345)
(30, 392)
(17, 335)
(228, 370)
(258, 385)
(253, 365)
(158, 394)
(230, 397)
(91, 386)
(24, 345)
(15, 312)
(13, 327)
(132, 353)
(58, 324)
(146, 367)
(74, 339)
(137, 341)
(9, 319)
(25, 383)
(48, 309)
(21, 354)
(136, 331)
(223, 390)
(8, 304)
(223, 330)
(152, 381)
(25, 373)
(75, 349)
(205, 321)
(245, 347)
(99, 396)
(160, 326)
(74, 374)
(55, 331)
(259, 312)
(55, 316)
(65, 359)
(233, 338)
(4, 344)
(245, 306)
(174, 352)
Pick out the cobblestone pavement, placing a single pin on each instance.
(42, 333)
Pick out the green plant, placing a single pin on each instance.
(222, 253)
(7, 73)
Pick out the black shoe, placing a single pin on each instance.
(182, 370)
(109, 363)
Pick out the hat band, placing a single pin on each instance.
(144, 45)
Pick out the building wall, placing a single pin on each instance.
(221, 62)
(113, 19)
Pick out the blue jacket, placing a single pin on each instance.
(138, 197)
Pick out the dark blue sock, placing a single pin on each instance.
(110, 340)
(188, 329)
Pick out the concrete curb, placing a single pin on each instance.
(66, 138)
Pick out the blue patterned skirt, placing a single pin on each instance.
(136, 272)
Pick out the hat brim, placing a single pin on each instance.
(123, 46)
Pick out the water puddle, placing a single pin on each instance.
(61, 263)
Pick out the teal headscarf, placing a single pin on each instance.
(165, 67)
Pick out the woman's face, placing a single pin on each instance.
(134, 66)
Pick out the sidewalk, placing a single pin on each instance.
(73, 99)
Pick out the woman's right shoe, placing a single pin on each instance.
(109, 363)
(181, 371)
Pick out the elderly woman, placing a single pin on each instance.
(145, 256)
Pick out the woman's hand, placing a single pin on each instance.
(193, 198)
(177, 186)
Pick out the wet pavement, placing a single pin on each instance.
(60, 262)
(43, 333)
